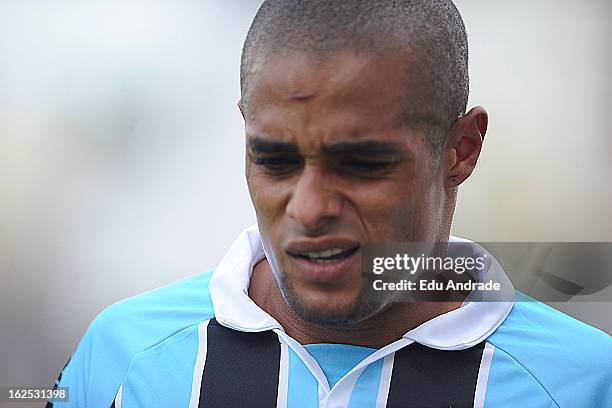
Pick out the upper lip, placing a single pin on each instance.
(322, 244)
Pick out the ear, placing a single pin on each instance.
(463, 146)
(241, 107)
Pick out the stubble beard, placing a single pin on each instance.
(362, 308)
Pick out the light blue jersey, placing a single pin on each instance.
(202, 342)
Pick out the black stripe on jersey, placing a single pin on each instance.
(424, 377)
(57, 382)
(241, 369)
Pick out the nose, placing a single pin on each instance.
(314, 203)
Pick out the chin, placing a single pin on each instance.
(328, 308)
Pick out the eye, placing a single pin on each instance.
(278, 165)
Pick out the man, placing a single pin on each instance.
(356, 133)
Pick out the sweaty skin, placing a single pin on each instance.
(330, 163)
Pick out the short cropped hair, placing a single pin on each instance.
(431, 33)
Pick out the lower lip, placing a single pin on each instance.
(326, 273)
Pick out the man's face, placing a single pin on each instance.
(330, 166)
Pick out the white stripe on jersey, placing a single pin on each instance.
(118, 397)
(283, 376)
(198, 368)
(385, 381)
(483, 375)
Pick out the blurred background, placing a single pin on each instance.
(121, 150)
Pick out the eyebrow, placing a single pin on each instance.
(358, 147)
(261, 145)
(364, 147)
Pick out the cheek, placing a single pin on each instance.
(268, 198)
(399, 211)
(386, 211)
(429, 213)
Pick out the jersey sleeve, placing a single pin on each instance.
(97, 367)
(540, 348)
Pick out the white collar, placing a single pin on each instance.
(458, 329)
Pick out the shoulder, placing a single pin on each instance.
(569, 358)
(533, 323)
(160, 312)
(127, 328)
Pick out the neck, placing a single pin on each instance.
(378, 331)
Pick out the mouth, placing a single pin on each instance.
(326, 256)
(325, 262)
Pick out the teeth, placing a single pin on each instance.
(324, 254)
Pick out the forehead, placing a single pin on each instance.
(344, 91)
